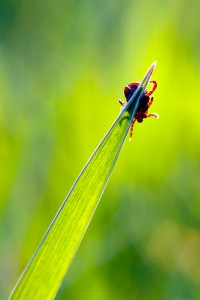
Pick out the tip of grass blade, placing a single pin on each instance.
(153, 65)
(148, 74)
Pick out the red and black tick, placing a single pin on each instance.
(145, 102)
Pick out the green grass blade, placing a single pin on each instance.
(44, 273)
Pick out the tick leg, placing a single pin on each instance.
(153, 115)
(131, 129)
(150, 102)
(121, 103)
(153, 88)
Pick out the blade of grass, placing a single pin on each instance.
(44, 273)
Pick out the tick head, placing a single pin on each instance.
(130, 89)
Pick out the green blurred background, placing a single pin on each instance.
(63, 67)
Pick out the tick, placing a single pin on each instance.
(145, 103)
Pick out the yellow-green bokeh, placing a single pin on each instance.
(63, 67)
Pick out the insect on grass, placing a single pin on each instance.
(145, 102)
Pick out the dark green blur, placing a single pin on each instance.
(63, 67)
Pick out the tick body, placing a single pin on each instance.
(145, 102)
